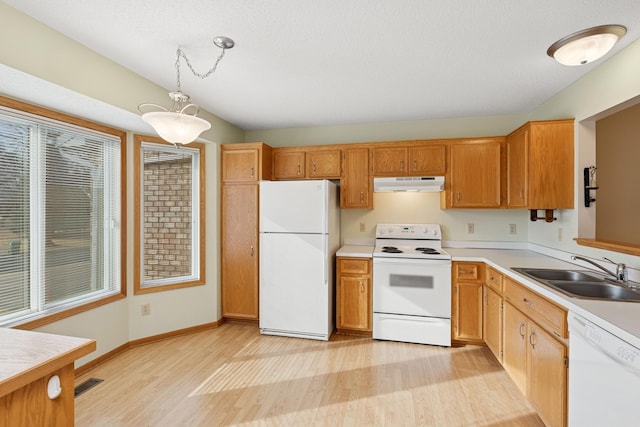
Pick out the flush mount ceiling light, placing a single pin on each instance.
(179, 124)
(587, 45)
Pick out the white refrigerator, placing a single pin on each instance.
(299, 237)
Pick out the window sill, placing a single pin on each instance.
(625, 248)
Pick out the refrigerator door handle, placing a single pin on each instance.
(325, 251)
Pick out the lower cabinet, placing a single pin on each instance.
(537, 364)
(466, 308)
(354, 309)
(492, 315)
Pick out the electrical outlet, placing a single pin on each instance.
(471, 228)
(513, 229)
(145, 309)
(362, 227)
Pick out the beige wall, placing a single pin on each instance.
(618, 176)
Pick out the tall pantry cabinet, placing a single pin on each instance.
(243, 166)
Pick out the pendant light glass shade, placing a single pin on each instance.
(177, 128)
(587, 45)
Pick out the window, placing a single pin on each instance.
(169, 219)
(61, 231)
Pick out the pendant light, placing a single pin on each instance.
(180, 124)
(587, 45)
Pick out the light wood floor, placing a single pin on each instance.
(235, 376)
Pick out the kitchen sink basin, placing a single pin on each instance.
(598, 290)
(544, 274)
(581, 284)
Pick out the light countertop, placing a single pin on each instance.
(356, 251)
(620, 318)
(26, 356)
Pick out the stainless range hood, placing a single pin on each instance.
(409, 183)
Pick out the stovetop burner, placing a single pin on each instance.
(391, 250)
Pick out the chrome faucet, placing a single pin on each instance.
(621, 268)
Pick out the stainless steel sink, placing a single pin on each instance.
(598, 290)
(568, 275)
(581, 284)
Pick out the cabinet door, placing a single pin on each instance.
(389, 161)
(468, 321)
(288, 165)
(428, 160)
(354, 303)
(240, 251)
(514, 356)
(547, 376)
(355, 185)
(240, 165)
(492, 321)
(475, 175)
(323, 164)
(517, 168)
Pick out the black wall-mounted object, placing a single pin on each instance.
(588, 187)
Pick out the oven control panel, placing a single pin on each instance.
(409, 231)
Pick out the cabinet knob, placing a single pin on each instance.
(362, 197)
(521, 330)
(252, 173)
(361, 287)
(251, 250)
(457, 196)
(529, 303)
(401, 165)
(522, 194)
(298, 170)
(415, 165)
(314, 168)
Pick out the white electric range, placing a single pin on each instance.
(411, 285)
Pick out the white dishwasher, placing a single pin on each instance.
(604, 377)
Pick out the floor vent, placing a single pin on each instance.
(90, 383)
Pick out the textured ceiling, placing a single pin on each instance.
(312, 63)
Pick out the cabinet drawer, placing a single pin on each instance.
(494, 279)
(539, 309)
(353, 265)
(467, 271)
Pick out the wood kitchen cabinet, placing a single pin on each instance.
(240, 251)
(248, 162)
(535, 352)
(414, 159)
(475, 177)
(540, 165)
(323, 164)
(466, 310)
(356, 187)
(492, 313)
(354, 309)
(288, 164)
(243, 166)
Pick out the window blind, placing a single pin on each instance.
(59, 214)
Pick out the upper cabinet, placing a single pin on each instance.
(475, 174)
(288, 164)
(540, 166)
(356, 189)
(307, 163)
(411, 159)
(323, 163)
(249, 162)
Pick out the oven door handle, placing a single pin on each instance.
(414, 261)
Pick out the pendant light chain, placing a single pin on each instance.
(180, 54)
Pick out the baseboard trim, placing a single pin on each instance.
(143, 341)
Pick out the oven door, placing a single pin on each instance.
(415, 287)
